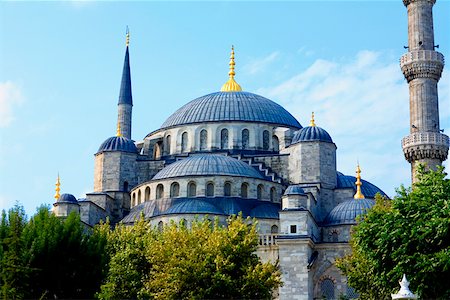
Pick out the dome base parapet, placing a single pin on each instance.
(422, 64)
(425, 145)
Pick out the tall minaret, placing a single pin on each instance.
(422, 67)
(125, 104)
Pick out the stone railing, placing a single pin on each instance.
(422, 64)
(425, 145)
(268, 239)
(423, 138)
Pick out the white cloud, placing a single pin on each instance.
(258, 65)
(10, 98)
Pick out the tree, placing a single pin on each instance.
(411, 235)
(179, 262)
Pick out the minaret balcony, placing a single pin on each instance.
(422, 64)
(420, 145)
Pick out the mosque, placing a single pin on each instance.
(234, 151)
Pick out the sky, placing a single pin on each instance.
(61, 64)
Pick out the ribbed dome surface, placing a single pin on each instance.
(208, 164)
(232, 106)
(265, 211)
(67, 198)
(194, 206)
(118, 143)
(294, 190)
(368, 189)
(311, 133)
(346, 212)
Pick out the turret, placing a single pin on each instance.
(422, 67)
(125, 104)
(65, 203)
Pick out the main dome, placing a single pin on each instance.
(231, 106)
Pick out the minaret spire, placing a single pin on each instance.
(422, 67)
(358, 183)
(125, 96)
(57, 188)
(231, 85)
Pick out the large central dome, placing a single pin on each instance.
(232, 106)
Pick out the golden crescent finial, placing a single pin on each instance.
(358, 183)
(128, 37)
(231, 85)
(57, 188)
(119, 132)
(312, 123)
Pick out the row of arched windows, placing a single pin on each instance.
(174, 191)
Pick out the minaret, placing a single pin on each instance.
(422, 67)
(125, 104)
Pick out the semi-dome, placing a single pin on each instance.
(193, 206)
(367, 188)
(311, 133)
(231, 106)
(346, 212)
(208, 164)
(294, 190)
(118, 143)
(67, 198)
(265, 211)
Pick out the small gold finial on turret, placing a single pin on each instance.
(359, 194)
(231, 85)
(128, 37)
(57, 188)
(312, 123)
(119, 132)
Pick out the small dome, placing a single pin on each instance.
(294, 190)
(346, 212)
(368, 189)
(67, 198)
(208, 164)
(193, 206)
(118, 143)
(311, 133)
(265, 211)
(231, 106)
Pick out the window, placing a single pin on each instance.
(227, 189)
(274, 229)
(224, 139)
(134, 199)
(147, 194)
(125, 186)
(259, 192)
(168, 144)
(245, 139)
(275, 143)
(157, 150)
(160, 225)
(184, 142)
(273, 194)
(244, 190)
(139, 197)
(210, 189)
(159, 191)
(183, 222)
(174, 190)
(327, 289)
(266, 140)
(293, 228)
(192, 189)
(334, 236)
(203, 139)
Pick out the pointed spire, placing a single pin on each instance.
(119, 133)
(57, 188)
(125, 96)
(359, 194)
(312, 123)
(231, 85)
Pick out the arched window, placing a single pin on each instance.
(203, 139)
(266, 140)
(192, 189)
(174, 190)
(139, 197)
(157, 150)
(168, 144)
(274, 229)
(273, 194)
(259, 192)
(210, 189)
(227, 189)
(125, 186)
(244, 190)
(184, 142)
(159, 191)
(245, 139)
(335, 236)
(160, 225)
(275, 143)
(147, 193)
(133, 202)
(224, 139)
(327, 289)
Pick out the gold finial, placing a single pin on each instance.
(57, 188)
(128, 37)
(311, 123)
(359, 194)
(119, 132)
(231, 85)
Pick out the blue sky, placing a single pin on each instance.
(61, 64)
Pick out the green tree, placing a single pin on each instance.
(411, 235)
(179, 262)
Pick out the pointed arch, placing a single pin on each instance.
(203, 140)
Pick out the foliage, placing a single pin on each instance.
(411, 235)
(203, 261)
